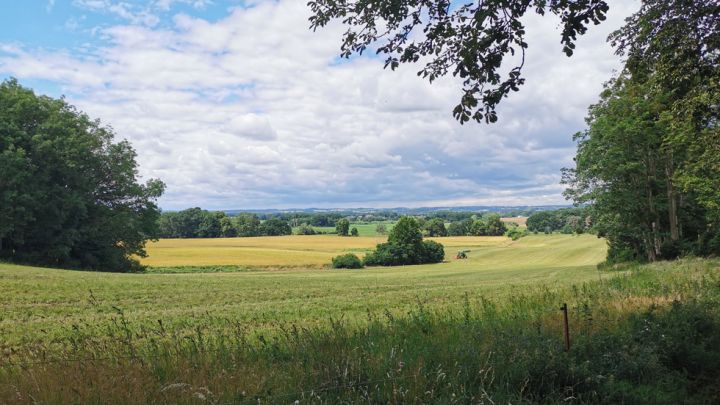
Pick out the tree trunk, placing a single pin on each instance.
(672, 200)
(654, 246)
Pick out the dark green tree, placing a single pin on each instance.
(494, 226)
(305, 229)
(478, 228)
(460, 228)
(469, 40)
(405, 245)
(647, 160)
(227, 227)
(209, 226)
(342, 226)
(69, 194)
(247, 225)
(275, 227)
(406, 232)
(436, 227)
(354, 232)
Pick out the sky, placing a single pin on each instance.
(239, 105)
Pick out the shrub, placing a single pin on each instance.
(306, 229)
(354, 232)
(433, 252)
(516, 233)
(347, 261)
(393, 254)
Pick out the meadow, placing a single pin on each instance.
(478, 330)
(39, 303)
(302, 251)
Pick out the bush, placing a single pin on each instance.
(306, 229)
(393, 254)
(433, 252)
(516, 233)
(347, 261)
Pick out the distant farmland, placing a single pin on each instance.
(522, 221)
(283, 251)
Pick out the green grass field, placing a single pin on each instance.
(464, 331)
(38, 303)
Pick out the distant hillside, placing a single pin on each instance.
(500, 209)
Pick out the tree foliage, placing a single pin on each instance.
(436, 227)
(199, 223)
(305, 229)
(469, 40)
(347, 261)
(648, 161)
(405, 246)
(576, 220)
(275, 227)
(342, 227)
(486, 225)
(69, 194)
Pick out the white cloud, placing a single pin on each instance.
(253, 110)
(134, 14)
(251, 126)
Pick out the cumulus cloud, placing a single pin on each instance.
(253, 110)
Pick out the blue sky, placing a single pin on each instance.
(238, 105)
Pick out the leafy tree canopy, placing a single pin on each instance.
(69, 194)
(405, 245)
(342, 226)
(469, 40)
(406, 232)
(648, 162)
(436, 227)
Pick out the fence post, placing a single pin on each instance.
(566, 326)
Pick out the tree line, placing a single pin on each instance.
(485, 225)
(648, 164)
(565, 220)
(199, 223)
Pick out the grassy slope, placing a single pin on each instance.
(38, 303)
(651, 335)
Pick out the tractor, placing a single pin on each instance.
(461, 254)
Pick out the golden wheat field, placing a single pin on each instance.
(282, 251)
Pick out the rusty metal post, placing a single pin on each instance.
(564, 308)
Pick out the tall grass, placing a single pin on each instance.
(648, 335)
